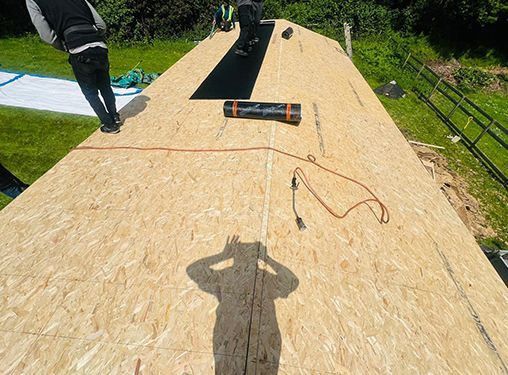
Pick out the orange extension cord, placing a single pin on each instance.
(383, 219)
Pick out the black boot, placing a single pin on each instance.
(117, 120)
(111, 129)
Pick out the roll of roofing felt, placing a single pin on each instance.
(287, 112)
(288, 33)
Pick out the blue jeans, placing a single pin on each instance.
(12, 191)
(91, 69)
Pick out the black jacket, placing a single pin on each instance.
(65, 15)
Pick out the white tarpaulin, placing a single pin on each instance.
(51, 94)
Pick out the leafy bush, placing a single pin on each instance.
(14, 18)
(119, 18)
(365, 17)
(471, 78)
(273, 9)
(145, 20)
(456, 20)
(135, 20)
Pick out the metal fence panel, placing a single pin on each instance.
(485, 137)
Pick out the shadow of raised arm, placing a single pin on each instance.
(286, 280)
(202, 273)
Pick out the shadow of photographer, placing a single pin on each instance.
(230, 276)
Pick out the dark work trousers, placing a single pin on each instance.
(13, 191)
(258, 14)
(91, 68)
(10, 185)
(245, 18)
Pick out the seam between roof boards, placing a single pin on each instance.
(263, 236)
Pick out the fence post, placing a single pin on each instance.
(472, 145)
(435, 88)
(420, 71)
(483, 133)
(455, 108)
(407, 59)
(347, 35)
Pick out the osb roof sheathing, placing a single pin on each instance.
(148, 261)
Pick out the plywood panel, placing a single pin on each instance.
(370, 278)
(66, 355)
(186, 262)
(11, 354)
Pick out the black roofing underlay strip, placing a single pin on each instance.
(235, 76)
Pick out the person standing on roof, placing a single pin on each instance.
(74, 26)
(10, 185)
(246, 18)
(224, 17)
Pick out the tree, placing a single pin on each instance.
(146, 20)
(14, 18)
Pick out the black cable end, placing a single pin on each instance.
(301, 224)
(294, 183)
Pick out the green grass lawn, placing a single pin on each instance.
(375, 59)
(487, 144)
(30, 55)
(32, 142)
(494, 104)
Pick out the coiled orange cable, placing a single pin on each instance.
(383, 219)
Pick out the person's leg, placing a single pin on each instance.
(245, 18)
(258, 16)
(226, 26)
(84, 69)
(252, 31)
(104, 85)
(258, 10)
(13, 191)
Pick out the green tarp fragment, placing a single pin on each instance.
(133, 78)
